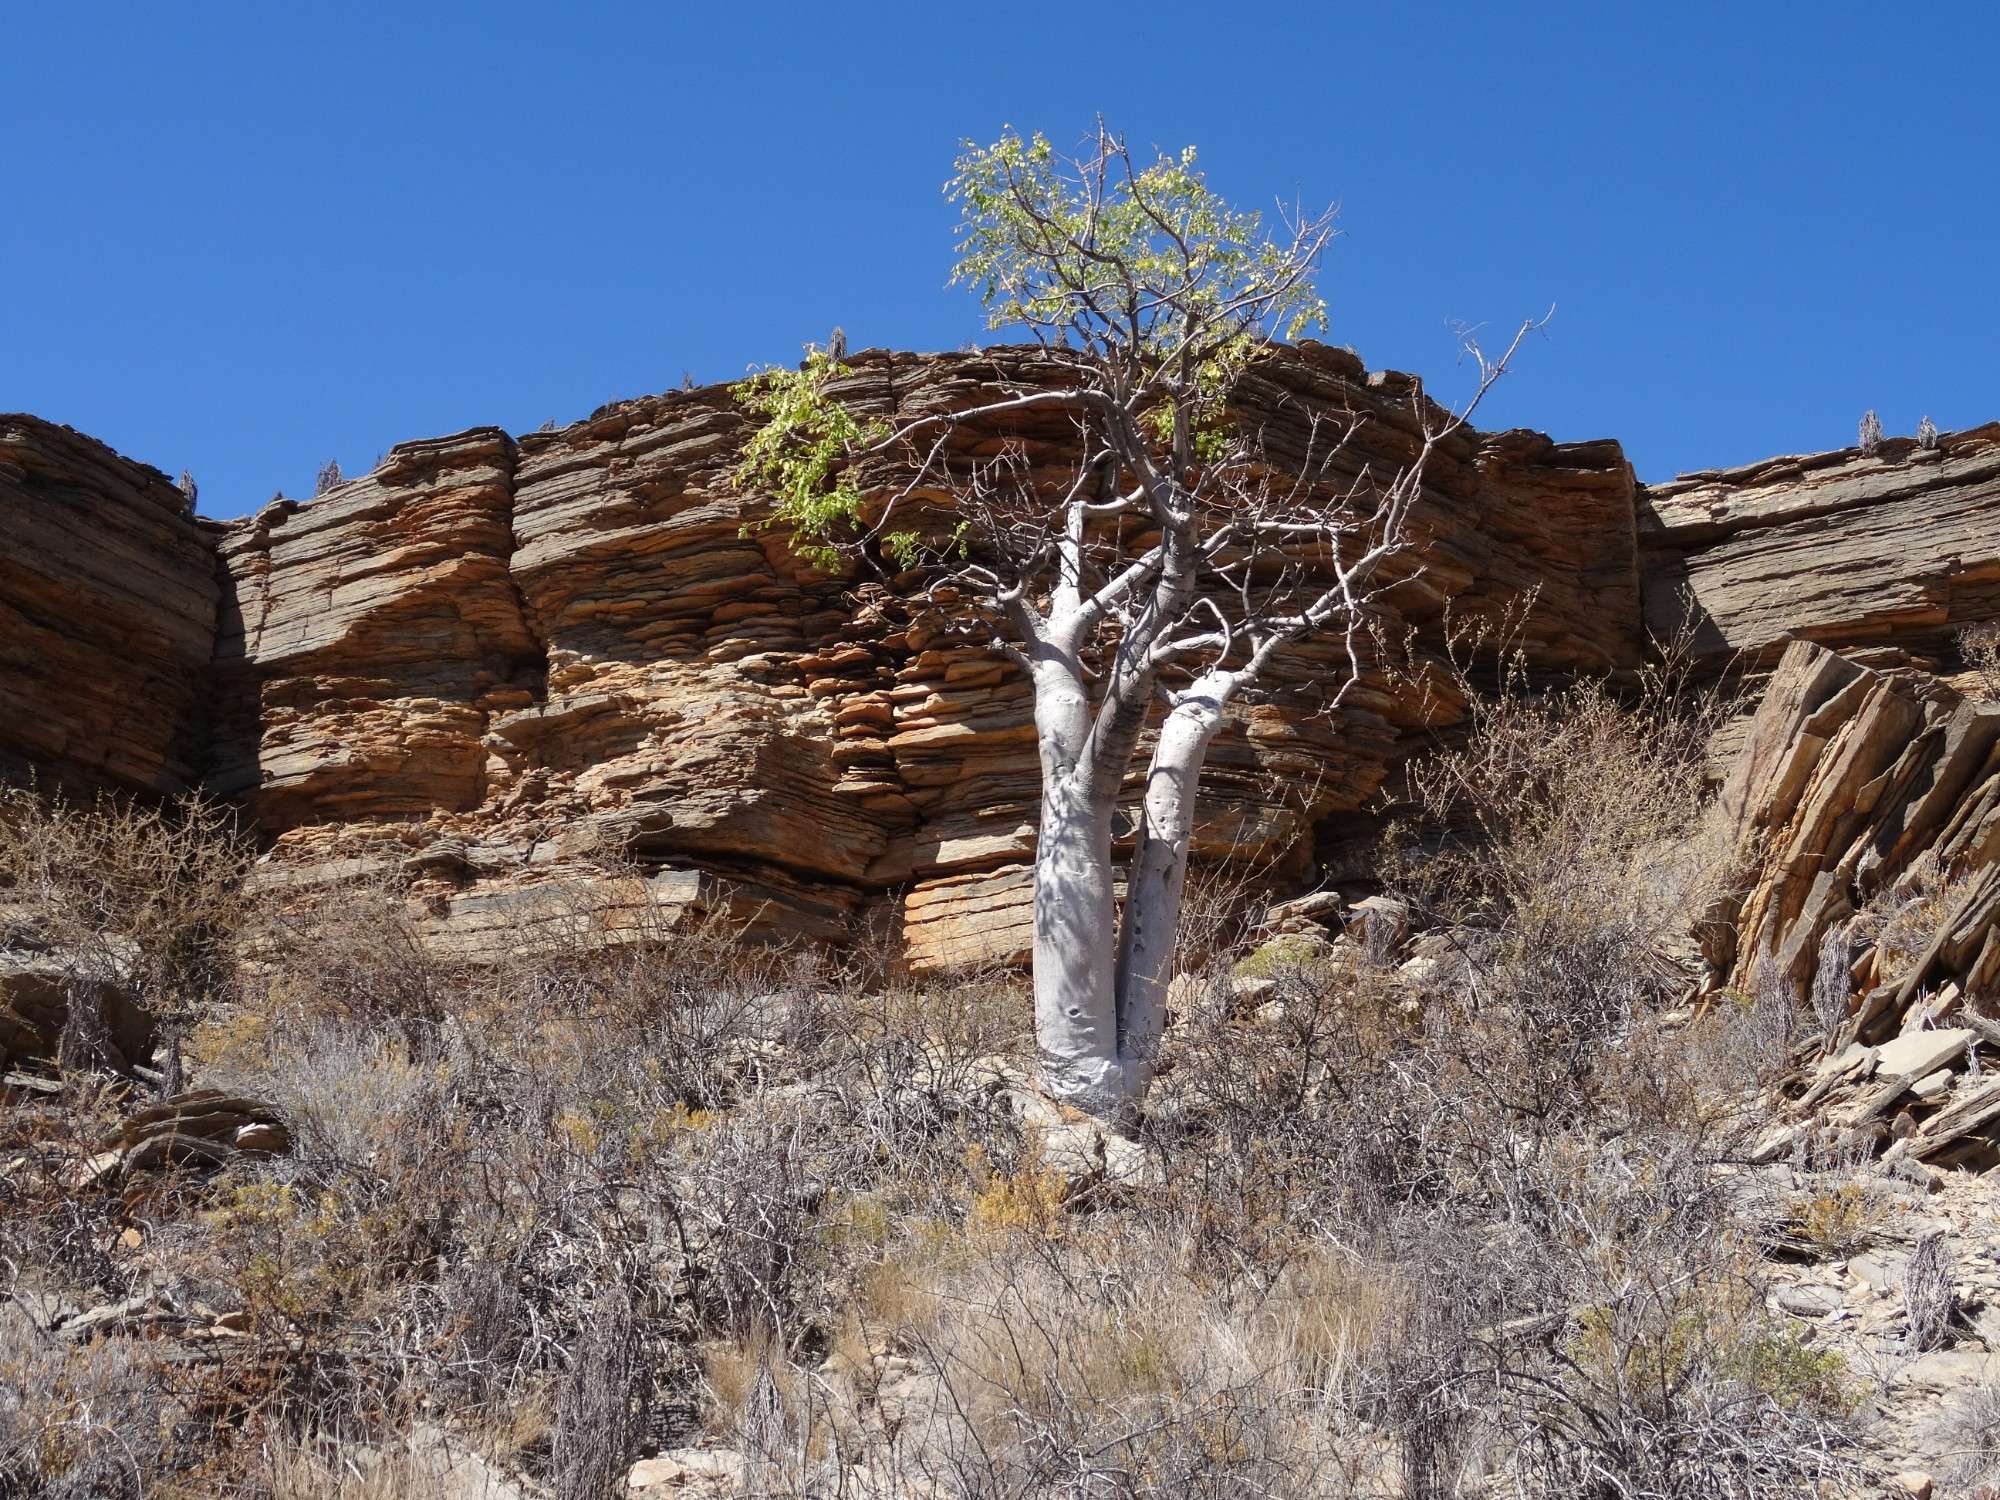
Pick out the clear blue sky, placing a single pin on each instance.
(245, 238)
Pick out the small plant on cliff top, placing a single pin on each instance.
(801, 456)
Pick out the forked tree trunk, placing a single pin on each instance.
(1101, 981)
(1151, 924)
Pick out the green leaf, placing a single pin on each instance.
(802, 455)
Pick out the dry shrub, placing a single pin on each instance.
(487, 1153)
(120, 895)
(1837, 1218)
(1569, 861)
(1902, 920)
(1090, 1369)
(601, 1407)
(1662, 1375)
(1401, 1228)
(1930, 1300)
(1965, 1437)
(90, 1421)
(1979, 647)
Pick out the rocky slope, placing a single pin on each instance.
(1867, 803)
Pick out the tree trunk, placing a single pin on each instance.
(1151, 922)
(1076, 1006)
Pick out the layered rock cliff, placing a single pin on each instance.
(497, 666)
(108, 594)
(1899, 547)
(492, 665)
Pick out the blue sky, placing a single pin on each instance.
(244, 239)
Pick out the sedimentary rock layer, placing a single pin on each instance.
(648, 674)
(495, 669)
(1866, 801)
(366, 637)
(107, 614)
(1900, 548)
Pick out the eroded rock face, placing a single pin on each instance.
(1898, 548)
(497, 668)
(645, 673)
(108, 595)
(1866, 803)
(366, 638)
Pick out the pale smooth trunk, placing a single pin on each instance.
(1159, 876)
(1076, 1006)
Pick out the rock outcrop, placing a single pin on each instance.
(366, 638)
(108, 594)
(516, 674)
(496, 667)
(1867, 803)
(1900, 547)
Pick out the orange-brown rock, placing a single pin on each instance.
(366, 637)
(523, 675)
(696, 699)
(107, 615)
(1866, 799)
(1897, 548)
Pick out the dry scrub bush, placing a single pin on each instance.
(121, 895)
(1523, 1142)
(494, 1159)
(1901, 920)
(1965, 1437)
(1979, 648)
(1088, 1365)
(78, 1422)
(1428, 1231)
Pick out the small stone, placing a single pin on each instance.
(1948, 1369)
(707, 1463)
(649, 1472)
(1912, 1482)
(1251, 990)
(1879, 1272)
(1378, 923)
(1920, 1053)
(263, 1138)
(1809, 1301)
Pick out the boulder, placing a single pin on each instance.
(34, 1008)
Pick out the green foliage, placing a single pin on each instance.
(802, 454)
(1778, 1363)
(1168, 291)
(1149, 265)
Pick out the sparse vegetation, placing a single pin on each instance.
(1443, 1213)
(1979, 646)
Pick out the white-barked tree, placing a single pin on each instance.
(1156, 579)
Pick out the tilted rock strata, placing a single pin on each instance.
(107, 615)
(1867, 799)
